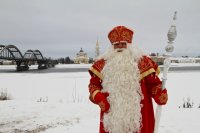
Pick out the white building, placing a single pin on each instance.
(81, 58)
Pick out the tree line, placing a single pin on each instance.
(68, 60)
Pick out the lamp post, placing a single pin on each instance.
(169, 49)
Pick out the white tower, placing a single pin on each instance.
(97, 49)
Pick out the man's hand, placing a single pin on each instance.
(161, 98)
(101, 99)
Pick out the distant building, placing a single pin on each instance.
(81, 58)
(97, 52)
(158, 59)
(8, 62)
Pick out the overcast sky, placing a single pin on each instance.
(60, 28)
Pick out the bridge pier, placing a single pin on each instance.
(22, 66)
(42, 65)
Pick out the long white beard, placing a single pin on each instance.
(121, 80)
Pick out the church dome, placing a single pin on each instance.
(81, 51)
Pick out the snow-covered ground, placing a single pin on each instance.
(58, 103)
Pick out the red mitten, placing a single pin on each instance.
(100, 98)
(161, 97)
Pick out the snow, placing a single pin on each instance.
(73, 66)
(29, 116)
(58, 103)
(181, 85)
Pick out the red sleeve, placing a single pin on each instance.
(154, 86)
(94, 87)
(96, 78)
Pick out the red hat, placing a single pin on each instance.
(120, 34)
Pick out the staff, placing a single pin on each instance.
(169, 49)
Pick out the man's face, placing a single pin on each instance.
(120, 46)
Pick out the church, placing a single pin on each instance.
(81, 58)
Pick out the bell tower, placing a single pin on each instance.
(97, 49)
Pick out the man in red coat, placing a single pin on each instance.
(123, 82)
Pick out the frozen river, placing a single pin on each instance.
(84, 68)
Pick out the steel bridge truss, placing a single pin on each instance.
(11, 52)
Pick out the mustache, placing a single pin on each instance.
(120, 49)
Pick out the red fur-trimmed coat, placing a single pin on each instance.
(150, 86)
